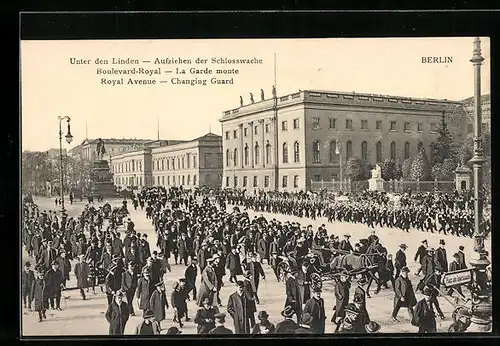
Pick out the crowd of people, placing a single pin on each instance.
(212, 243)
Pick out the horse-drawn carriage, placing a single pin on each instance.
(340, 260)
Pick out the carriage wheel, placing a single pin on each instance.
(283, 268)
(316, 280)
(454, 315)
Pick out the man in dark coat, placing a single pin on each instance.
(82, 272)
(293, 296)
(233, 263)
(205, 317)
(440, 259)
(190, 274)
(455, 265)
(461, 257)
(304, 281)
(256, 272)
(129, 285)
(400, 260)
(208, 286)
(158, 303)
(47, 256)
(53, 285)
(264, 326)
(117, 314)
(144, 290)
(420, 255)
(424, 317)
(237, 306)
(287, 326)
(202, 256)
(314, 312)
(27, 282)
(345, 244)
(404, 294)
(341, 291)
(113, 282)
(220, 319)
(38, 296)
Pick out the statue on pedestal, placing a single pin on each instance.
(262, 94)
(241, 100)
(376, 172)
(101, 150)
(251, 98)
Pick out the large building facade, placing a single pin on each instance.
(193, 163)
(485, 111)
(87, 150)
(302, 130)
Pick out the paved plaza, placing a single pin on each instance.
(86, 317)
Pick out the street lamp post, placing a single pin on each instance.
(69, 138)
(480, 288)
(339, 153)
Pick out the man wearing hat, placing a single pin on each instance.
(205, 317)
(287, 326)
(341, 291)
(462, 321)
(149, 325)
(293, 296)
(239, 307)
(404, 294)
(256, 272)
(113, 281)
(424, 317)
(233, 263)
(173, 331)
(400, 260)
(345, 244)
(314, 312)
(190, 274)
(420, 255)
(129, 285)
(220, 319)
(144, 290)
(202, 256)
(82, 272)
(38, 296)
(440, 258)
(208, 287)
(117, 314)
(53, 285)
(158, 303)
(27, 282)
(351, 323)
(263, 326)
(455, 265)
(461, 257)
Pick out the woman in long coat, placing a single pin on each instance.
(158, 302)
(208, 284)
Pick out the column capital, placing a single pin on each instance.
(261, 121)
(250, 123)
(240, 126)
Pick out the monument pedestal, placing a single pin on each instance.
(376, 184)
(102, 181)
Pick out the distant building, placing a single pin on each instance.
(55, 153)
(485, 111)
(308, 126)
(193, 163)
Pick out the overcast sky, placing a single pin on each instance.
(51, 86)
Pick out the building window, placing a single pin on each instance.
(333, 152)
(257, 154)
(188, 161)
(393, 150)
(392, 126)
(256, 130)
(227, 134)
(295, 124)
(266, 181)
(173, 164)
(267, 128)
(168, 180)
(235, 157)
(285, 181)
(364, 124)
(348, 149)
(163, 180)
(407, 150)
(348, 124)
(268, 153)
(245, 131)
(183, 181)
(284, 126)
(194, 179)
(420, 127)
(295, 181)
(315, 123)
(227, 181)
(179, 162)
(433, 128)
(296, 152)
(364, 151)
(285, 153)
(420, 146)
(245, 181)
(407, 127)
(235, 134)
(379, 151)
(194, 161)
(173, 180)
(316, 152)
(228, 158)
(317, 177)
(246, 154)
(189, 179)
(378, 125)
(254, 181)
(332, 123)
(183, 162)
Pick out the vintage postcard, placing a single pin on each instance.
(256, 186)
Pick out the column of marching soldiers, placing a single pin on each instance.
(211, 242)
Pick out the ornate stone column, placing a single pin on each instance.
(250, 124)
(263, 145)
